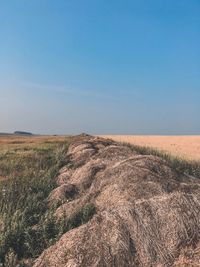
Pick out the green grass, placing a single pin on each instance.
(27, 225)
(180, 165)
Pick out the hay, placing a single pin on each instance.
(147, 214)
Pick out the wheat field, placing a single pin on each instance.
(187, 147)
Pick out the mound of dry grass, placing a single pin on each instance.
(148, 214)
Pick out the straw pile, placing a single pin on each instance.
(147, 214)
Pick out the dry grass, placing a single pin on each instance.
(147, 209)
(147, 212)
(14, 141)
(186, 147)
(19, 154)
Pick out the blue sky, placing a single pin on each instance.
(100, 66)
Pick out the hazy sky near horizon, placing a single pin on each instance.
(100, 66)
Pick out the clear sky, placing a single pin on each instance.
(100, 66)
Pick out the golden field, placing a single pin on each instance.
(187, 147)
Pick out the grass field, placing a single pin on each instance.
(18, 141)
(186, 147)
(28, 167)
(19, 154)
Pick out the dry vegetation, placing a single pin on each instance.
(187, 147)
(127, 205)
(147, 208)
(19, 152)
(34, 141)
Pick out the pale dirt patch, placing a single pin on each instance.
(187, 147)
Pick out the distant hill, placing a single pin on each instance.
(22, 133)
